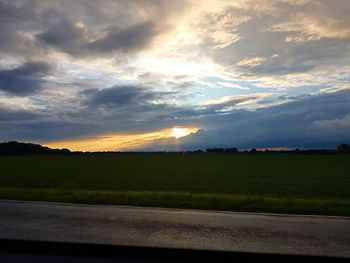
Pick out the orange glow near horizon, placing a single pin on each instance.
(122, 142)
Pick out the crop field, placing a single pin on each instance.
(307, 184)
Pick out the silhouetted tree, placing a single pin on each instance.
(20, 148)
(343, 148)
(215, 150)
(231, 150)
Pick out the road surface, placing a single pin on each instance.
(176, 228)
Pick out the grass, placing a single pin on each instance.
(184, 200)
(305, 184)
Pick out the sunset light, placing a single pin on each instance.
(125, 75)
(179, 132)
(147, 114)
(124, 142)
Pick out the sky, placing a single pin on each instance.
(175, 75)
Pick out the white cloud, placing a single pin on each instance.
(306, 28)
(251, 62)
(232, 85)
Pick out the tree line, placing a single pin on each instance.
(14, 148)
(21, 148)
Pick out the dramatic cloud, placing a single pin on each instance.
(25, 79)
(126, 39)
(128, 97)
(287, 38)
(75, 40)
(308, 122)
(82, 28)
(15, 116)
(269, 73)
(66, 36)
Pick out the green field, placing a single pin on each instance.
(311, 184)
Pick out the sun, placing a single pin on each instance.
(179, 132)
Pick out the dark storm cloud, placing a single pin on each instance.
(13, 116)
(64, 35)
(123, 96)
(118, 96)
(132, 38)
(16, 19)
(289, 39)
(14, 12)
(81, 28)
(25, 79)
(48, 130)
(122, 108)
(72, 39)
(315, 121)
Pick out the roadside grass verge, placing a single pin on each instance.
(225, 202)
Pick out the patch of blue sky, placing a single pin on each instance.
(238, 86)
(202, 92)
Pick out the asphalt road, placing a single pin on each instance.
(176, 228)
